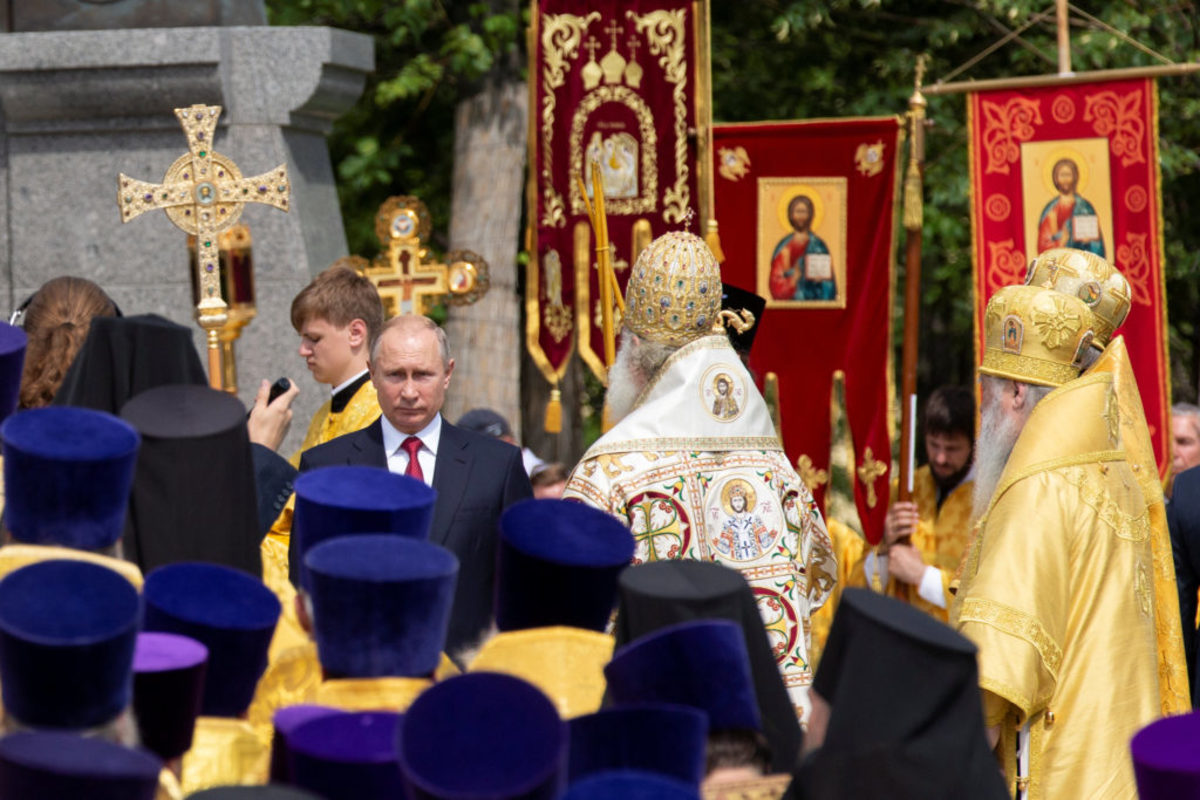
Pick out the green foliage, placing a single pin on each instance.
(399, 137)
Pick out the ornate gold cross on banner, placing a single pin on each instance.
(868, 472)
(406, 282)
(203, 194)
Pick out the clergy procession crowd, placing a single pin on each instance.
(397, 612)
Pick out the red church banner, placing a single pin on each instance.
(613, 81)
(1075, 166)
(806, 219)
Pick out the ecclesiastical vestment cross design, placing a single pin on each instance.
(407, 283)
(203, 193)
(870, 471)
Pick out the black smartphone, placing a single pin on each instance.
(277, 388)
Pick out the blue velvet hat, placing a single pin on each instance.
(1166, 758)
(381, 604)
(61, 766)
(67, 633)
(656, 737)
(702, 664)
(231, 613)
(483, 735)
(337, 501)
(558, 564)
(285, 721)
(630, 784)
(67, 476)
(168, 686)
(12, 363)
(349, 756)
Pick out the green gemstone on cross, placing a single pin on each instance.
(203, 153)
(164, 195)
(208, 244)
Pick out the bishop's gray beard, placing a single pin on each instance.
(624, 384)
(998, 434)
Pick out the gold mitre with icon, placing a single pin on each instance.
(674, 294)
(566, 663)
(1089, 277)
(1036, 335)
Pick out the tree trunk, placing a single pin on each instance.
(489, 169)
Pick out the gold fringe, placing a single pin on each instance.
(914, 211)
(713, 240)
(553, 422)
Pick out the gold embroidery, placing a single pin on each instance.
(664, 31)
(1017, 623)
(649, 147)
(1112, 417)
(561, 34)
(1141, 589)
(557, 315)
(1056, 326)
(734, 161)
(613, 466)
(869, 472)
(1133, 529)
(868, 158)
(812, 476)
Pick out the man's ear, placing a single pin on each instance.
(1020, 394)
(357, 330)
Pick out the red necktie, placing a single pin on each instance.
(411, 445)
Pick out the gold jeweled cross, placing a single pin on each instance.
(868, 472)
(203, 193)
(407, 284)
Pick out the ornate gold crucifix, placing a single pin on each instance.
(203, 194)
(408, 284)
(869, 472)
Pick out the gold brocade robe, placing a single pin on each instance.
(849, 547)
(1135, 441)
(1057, 593)
(941, 538)
(768, 787)
(566, 663)
(17, 555)
(225, 752)
(325, 426)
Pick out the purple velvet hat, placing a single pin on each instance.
(168, 687)
(1166, 758)
(702, 664)
(228, 611)
(630, 784)
(483, 736)
(62, 766)
(654, 737)
(13, 342)
(350, 756)
(67, 476)
(285, 721)
(67, 634)
(338, 501)
(558, 564)
(381, 604)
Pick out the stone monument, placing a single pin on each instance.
(82, 99)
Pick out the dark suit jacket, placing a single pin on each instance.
(476, 478)
(1183, 518)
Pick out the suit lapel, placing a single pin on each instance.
(450, 474)
(368, 448)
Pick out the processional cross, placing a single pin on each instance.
(408, 284)
(203, 193)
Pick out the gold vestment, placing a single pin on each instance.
(1135, 440)
(849, 548)
(1057, 593)
(768, 787)
(225, 752)
(566, 663)
(17, 555)
(941, 538)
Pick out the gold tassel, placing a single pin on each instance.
(554, 412)
(713, 240)
(914, 211)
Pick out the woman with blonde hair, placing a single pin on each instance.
(57, 319)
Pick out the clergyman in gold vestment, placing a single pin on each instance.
(1057, 588)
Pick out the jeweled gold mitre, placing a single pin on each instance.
(1036, 335)
(1089, 277)
(674, 294)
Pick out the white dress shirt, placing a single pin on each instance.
(930, 588)
(397, 458)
